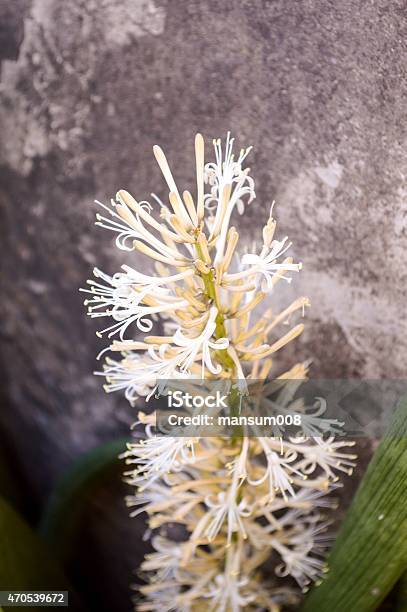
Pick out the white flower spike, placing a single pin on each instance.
(237, 498)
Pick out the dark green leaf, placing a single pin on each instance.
(370, 553)
(8, 485)
(69, 497)
(401, 594)
(25, 561)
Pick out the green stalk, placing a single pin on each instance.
(220, 332)
(370, 553)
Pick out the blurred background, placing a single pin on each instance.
(87, 88)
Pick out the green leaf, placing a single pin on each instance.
(401, 594)
(8, 485)
(25, 561)
(66, 503)
(370, 553)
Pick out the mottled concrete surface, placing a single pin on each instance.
(87, 87)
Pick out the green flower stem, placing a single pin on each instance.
(220, 332)
(370, 553)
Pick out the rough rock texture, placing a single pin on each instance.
(88, 86)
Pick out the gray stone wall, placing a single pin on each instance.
(87, 88)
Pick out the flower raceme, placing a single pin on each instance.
(238, 500)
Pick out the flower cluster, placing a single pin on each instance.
(238, 503)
